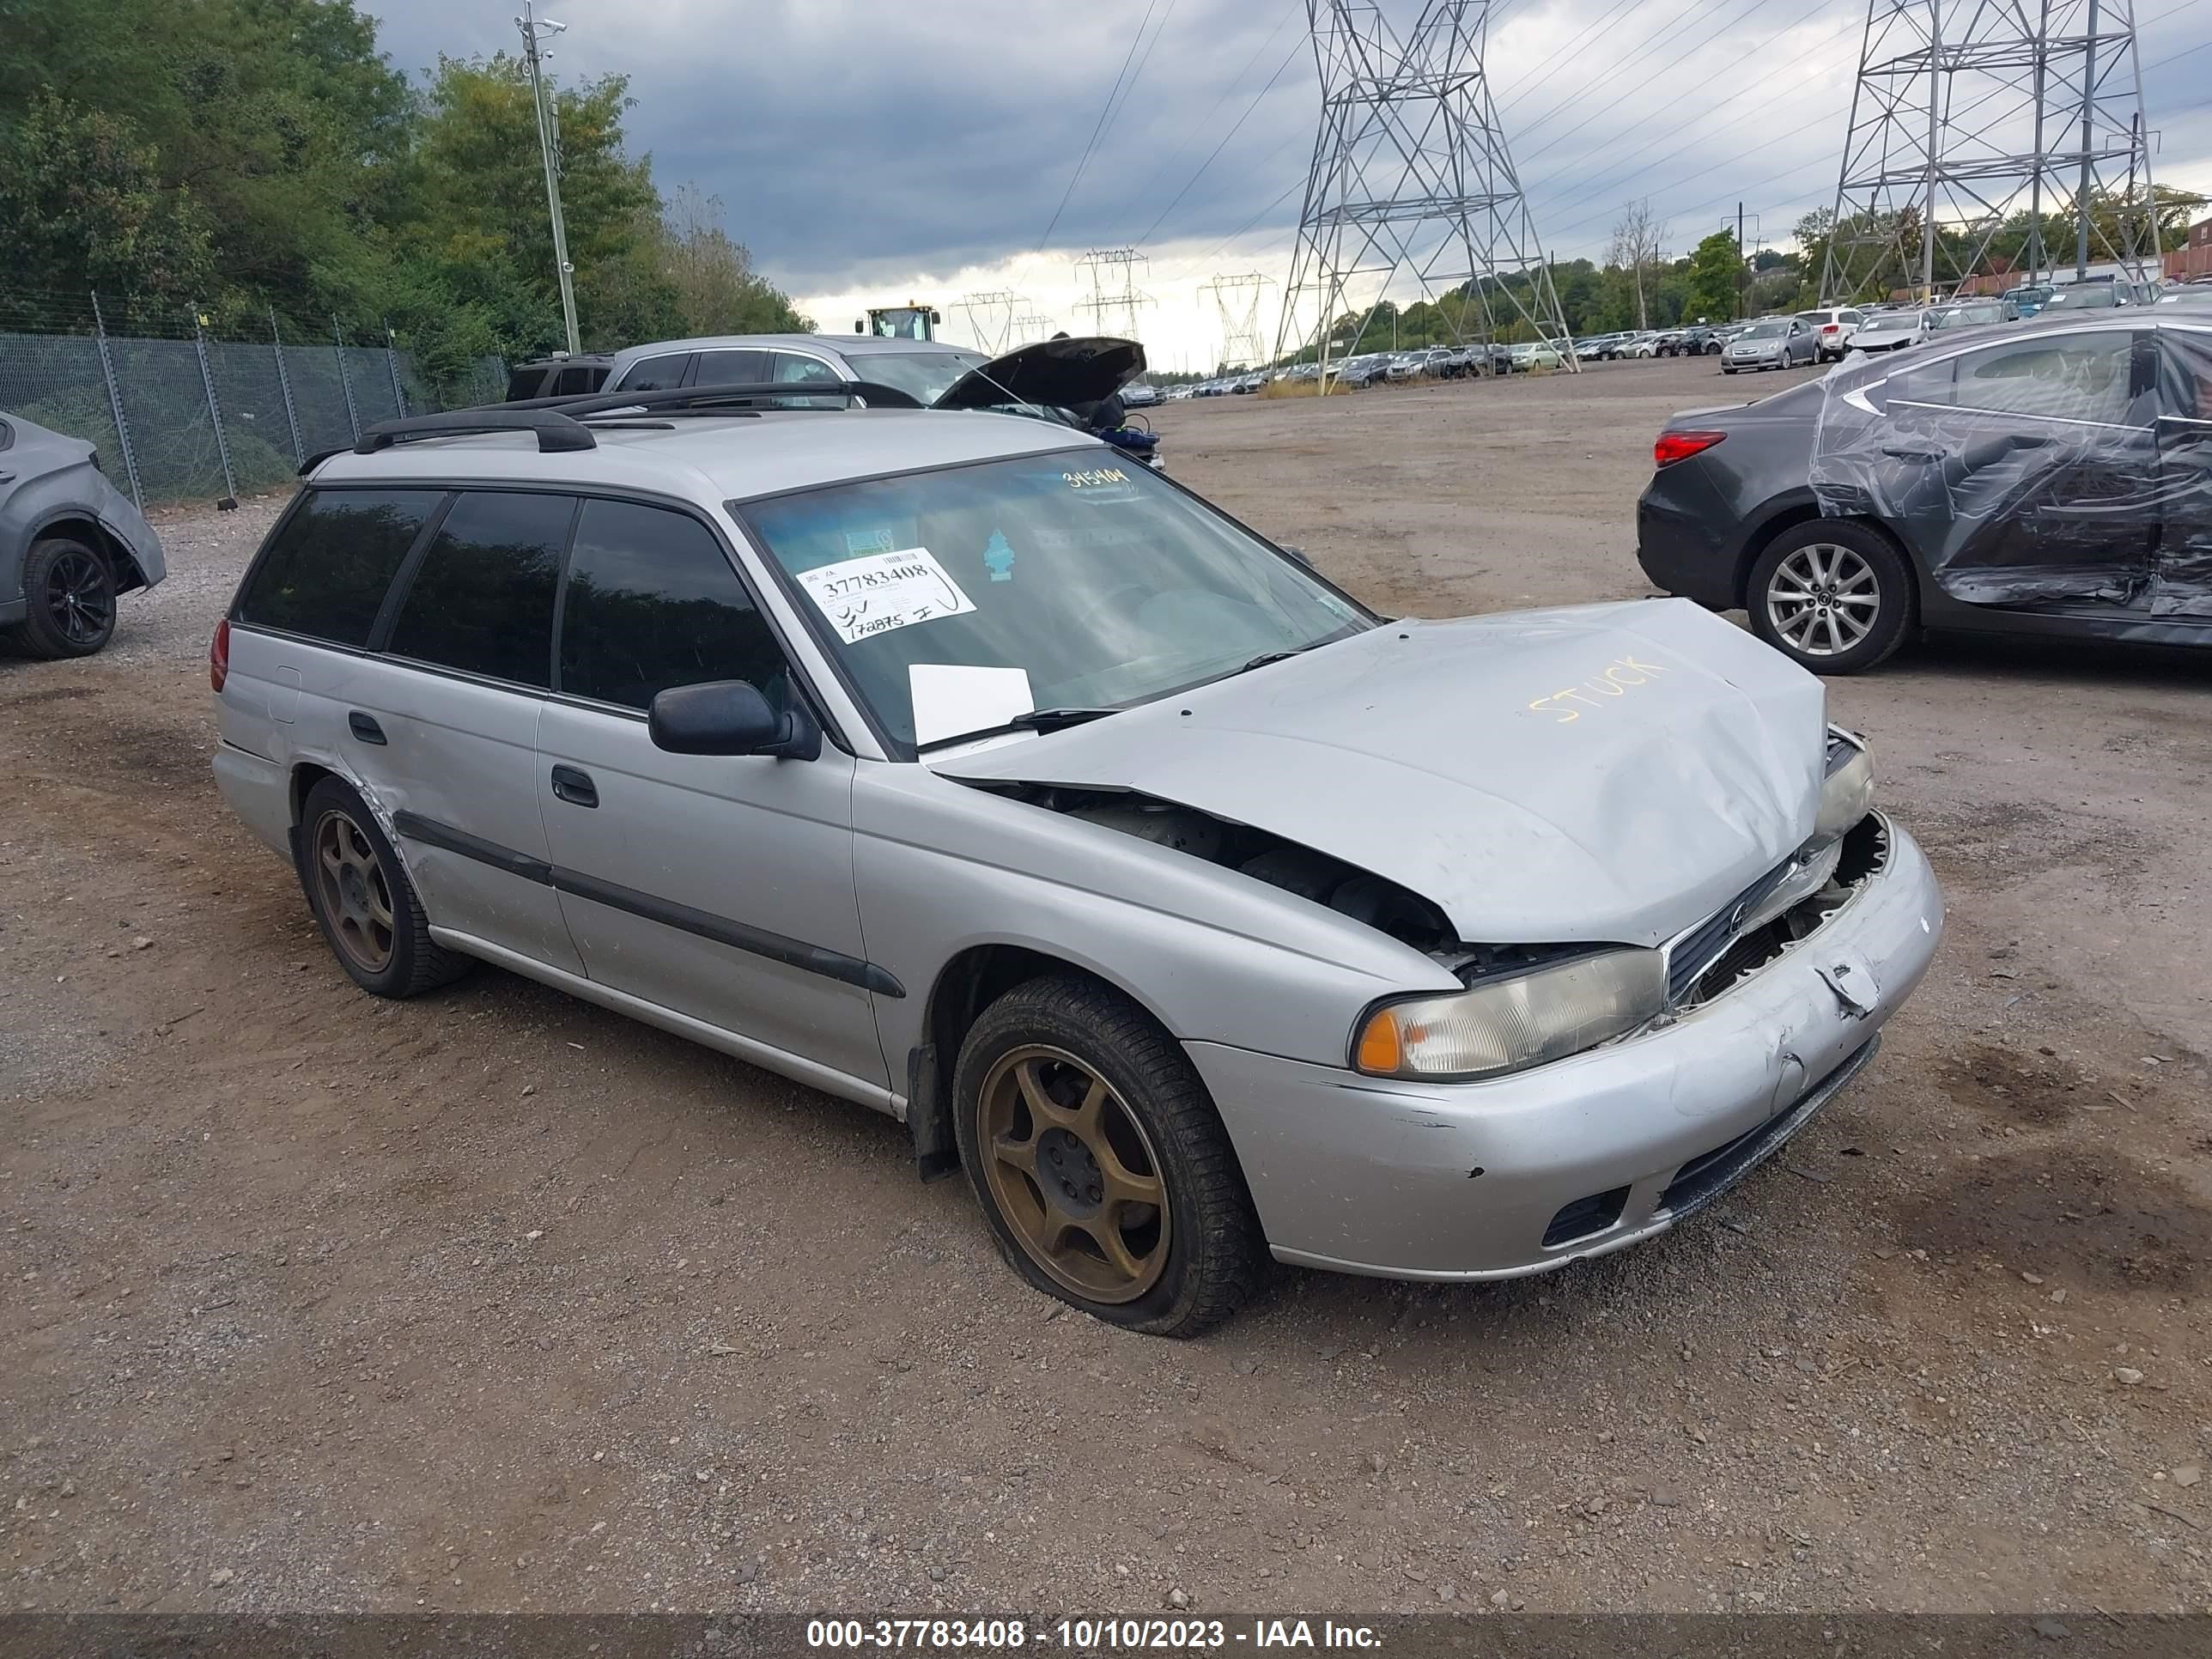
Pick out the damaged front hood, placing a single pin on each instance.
(1610, 772)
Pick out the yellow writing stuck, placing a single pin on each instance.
(1615, 679)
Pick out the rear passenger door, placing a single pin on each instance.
(444, 717)
(719, 887)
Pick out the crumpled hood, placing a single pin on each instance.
(1612, 772)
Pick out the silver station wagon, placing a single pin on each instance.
(951, 763)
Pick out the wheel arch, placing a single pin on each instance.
(1786, 516)
(971, 981)
(121, 563)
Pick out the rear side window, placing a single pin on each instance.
(482, 598)
(326, 573)
(731, 368)
(576, 379)
(653, 602)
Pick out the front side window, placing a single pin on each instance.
(957, 599)
(482, 600)
(653, 602)
(325, 573)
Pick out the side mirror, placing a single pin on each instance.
(860, 326)
(730, 717)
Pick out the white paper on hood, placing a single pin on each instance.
(884, 591)
(950, 699)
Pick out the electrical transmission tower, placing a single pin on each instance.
(991, 318)
(1238, 298)
(1114, 295)
(1975, 118)
(1411, 178)
(1032, 326)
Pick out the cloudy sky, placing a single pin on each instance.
(871, 150)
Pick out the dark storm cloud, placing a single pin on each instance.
(857, 141)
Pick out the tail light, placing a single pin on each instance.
(1673, 446)
(219, 654)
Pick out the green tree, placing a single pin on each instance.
(83, 195)
(1715, 268)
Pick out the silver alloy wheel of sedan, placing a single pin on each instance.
(1823, 599)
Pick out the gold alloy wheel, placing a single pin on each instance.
(356, 895)
(1072, 1172)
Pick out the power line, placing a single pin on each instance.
(1145, 190)
(1511, 95)
(1225, 138)
(1097, 127)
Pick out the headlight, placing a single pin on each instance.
(1512, 1022)
(1847, 793)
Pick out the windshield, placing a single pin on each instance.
(2090, 296)
(924, 376)
(955, 600)
(1966, 316)
(1773, 330)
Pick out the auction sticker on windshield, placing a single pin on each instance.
(865, 597)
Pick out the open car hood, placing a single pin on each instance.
(1609, 772)
(1057, 373)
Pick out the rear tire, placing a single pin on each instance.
(1833, 596)
(72, 593)
(1102, 1167)
(363, 901)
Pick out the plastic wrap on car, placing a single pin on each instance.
(2071, 467)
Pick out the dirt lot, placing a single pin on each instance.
(495, 1300)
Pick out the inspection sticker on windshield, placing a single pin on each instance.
(870, 595)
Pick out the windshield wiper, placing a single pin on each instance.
(1052, 719)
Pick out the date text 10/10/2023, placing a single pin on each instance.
(1086, 1635)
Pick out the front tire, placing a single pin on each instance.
(367, 906)
(1102, 1169)
(71, 591)
(1833, 596)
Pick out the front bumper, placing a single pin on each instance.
(1464, 1180)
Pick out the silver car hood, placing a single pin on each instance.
(1612, 772)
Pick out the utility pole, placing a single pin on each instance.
(1742, 264)
(1935, 148)
(548, 143)
(2088, 112)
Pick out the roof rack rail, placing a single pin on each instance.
(878, 396)
(556, 432)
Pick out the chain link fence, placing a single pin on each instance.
(186, 409)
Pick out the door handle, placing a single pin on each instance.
(364, 727)
(1911, 454)
(574, 787)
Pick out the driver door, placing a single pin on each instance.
(717, 886)
(2027, 473)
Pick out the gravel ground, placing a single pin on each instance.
(493, 1300)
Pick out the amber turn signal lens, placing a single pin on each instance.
(1381, 1050)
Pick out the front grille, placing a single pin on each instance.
(1585, 1216)
(1694, 952)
